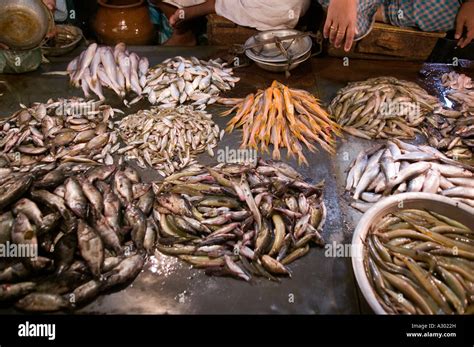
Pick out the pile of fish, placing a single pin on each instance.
(412, 266)
(168, 139)
(117, 69)
(452, 130)
(398, 167)
(89, 228)
(382, 107)
(59, 130)
(239, 220)
(178, 80)
(286, 118)
(464, 98)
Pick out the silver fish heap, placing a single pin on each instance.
(59, 130)
(168, 139)
(89, 226)
(239, 220)
(114, 68)
(178, 80)
(382, 107)
(397, 167)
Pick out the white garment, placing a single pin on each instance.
(263, 14)
(184, 3)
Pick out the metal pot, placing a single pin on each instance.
(270, 53)
(126, 21)
(67, 38)
(24, 23)
(433, 202)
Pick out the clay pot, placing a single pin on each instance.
(125, 21)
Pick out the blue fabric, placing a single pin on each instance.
(159, 19)
(426, 15)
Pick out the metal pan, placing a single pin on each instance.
(71, 35)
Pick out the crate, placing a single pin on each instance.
(390, 42)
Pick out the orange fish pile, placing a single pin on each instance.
(286, 118)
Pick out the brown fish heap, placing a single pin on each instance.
(63, 130)
(452, 133)
(382, 108)
(87, 226)
(452, 130)
(239, 220)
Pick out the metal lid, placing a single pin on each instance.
(24, 23)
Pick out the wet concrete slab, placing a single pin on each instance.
(320, 284)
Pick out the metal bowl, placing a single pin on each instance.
(282, 67)
(24, 23)
(270, 53)
(67, 38)
(436, 203)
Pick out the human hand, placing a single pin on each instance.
(465, 22)
(341, 23)
(51, 4)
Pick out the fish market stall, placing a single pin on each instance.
(307, 278)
